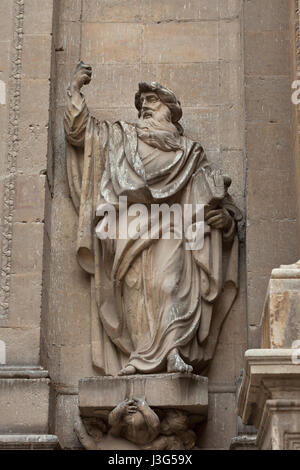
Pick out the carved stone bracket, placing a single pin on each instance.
(155, 412)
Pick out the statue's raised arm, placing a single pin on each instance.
(76, 113)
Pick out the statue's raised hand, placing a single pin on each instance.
(82, 75)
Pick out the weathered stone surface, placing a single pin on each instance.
(185, 392)
(243, 442)
(66, 411)
(24, 400)
(29, 236)
(216, 432)
(111, 43)
(180, 42)
(154, 10)
(272, 45)
(257, 20)
(6, 19)
(36, 52)
(193, 43)
(22, 344)
(30, 198)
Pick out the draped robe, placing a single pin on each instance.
(148, 296)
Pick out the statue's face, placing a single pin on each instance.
(152, 106)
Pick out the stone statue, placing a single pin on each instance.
(156, 306)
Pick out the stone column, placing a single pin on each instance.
(25, 70)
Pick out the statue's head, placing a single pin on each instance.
(154, 101)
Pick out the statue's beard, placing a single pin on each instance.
(159, 132)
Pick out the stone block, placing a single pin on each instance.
(256, 19)
(269, 146)
(31, 114)
(111, 43)
(66, 410)
(196, 84)
(6, 19)
(267, 53)
(25, 300)
(69, 10)
(29, 198)
(28, 442)
(181, 42)
(186, 392)
(24, 401)
(27, 247)
(257, 285)
(202, 125)
(244, 442)
(230, 40)
(276, 189)
(33, 158)
(123, 11)
(113, 86)
(271, 244)
(75, 360)
(36, 56)
(281, 316)
(38, 20)
(176, 10)
(67, 43)
(22, 345)
(220, 426)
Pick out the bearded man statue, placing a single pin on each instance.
(155, 305)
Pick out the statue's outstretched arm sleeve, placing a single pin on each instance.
(75, 118)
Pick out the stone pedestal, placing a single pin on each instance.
(185, 392)
(269, 397)
(281, 316)
(174, 403)
(244, 442)
(24, 404)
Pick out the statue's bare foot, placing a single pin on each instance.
(128, 370)
(176, 364)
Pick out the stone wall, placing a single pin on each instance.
(271, 187)
(26, 45)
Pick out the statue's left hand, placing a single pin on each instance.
(219, 218)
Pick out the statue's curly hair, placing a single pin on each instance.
(166, 96)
